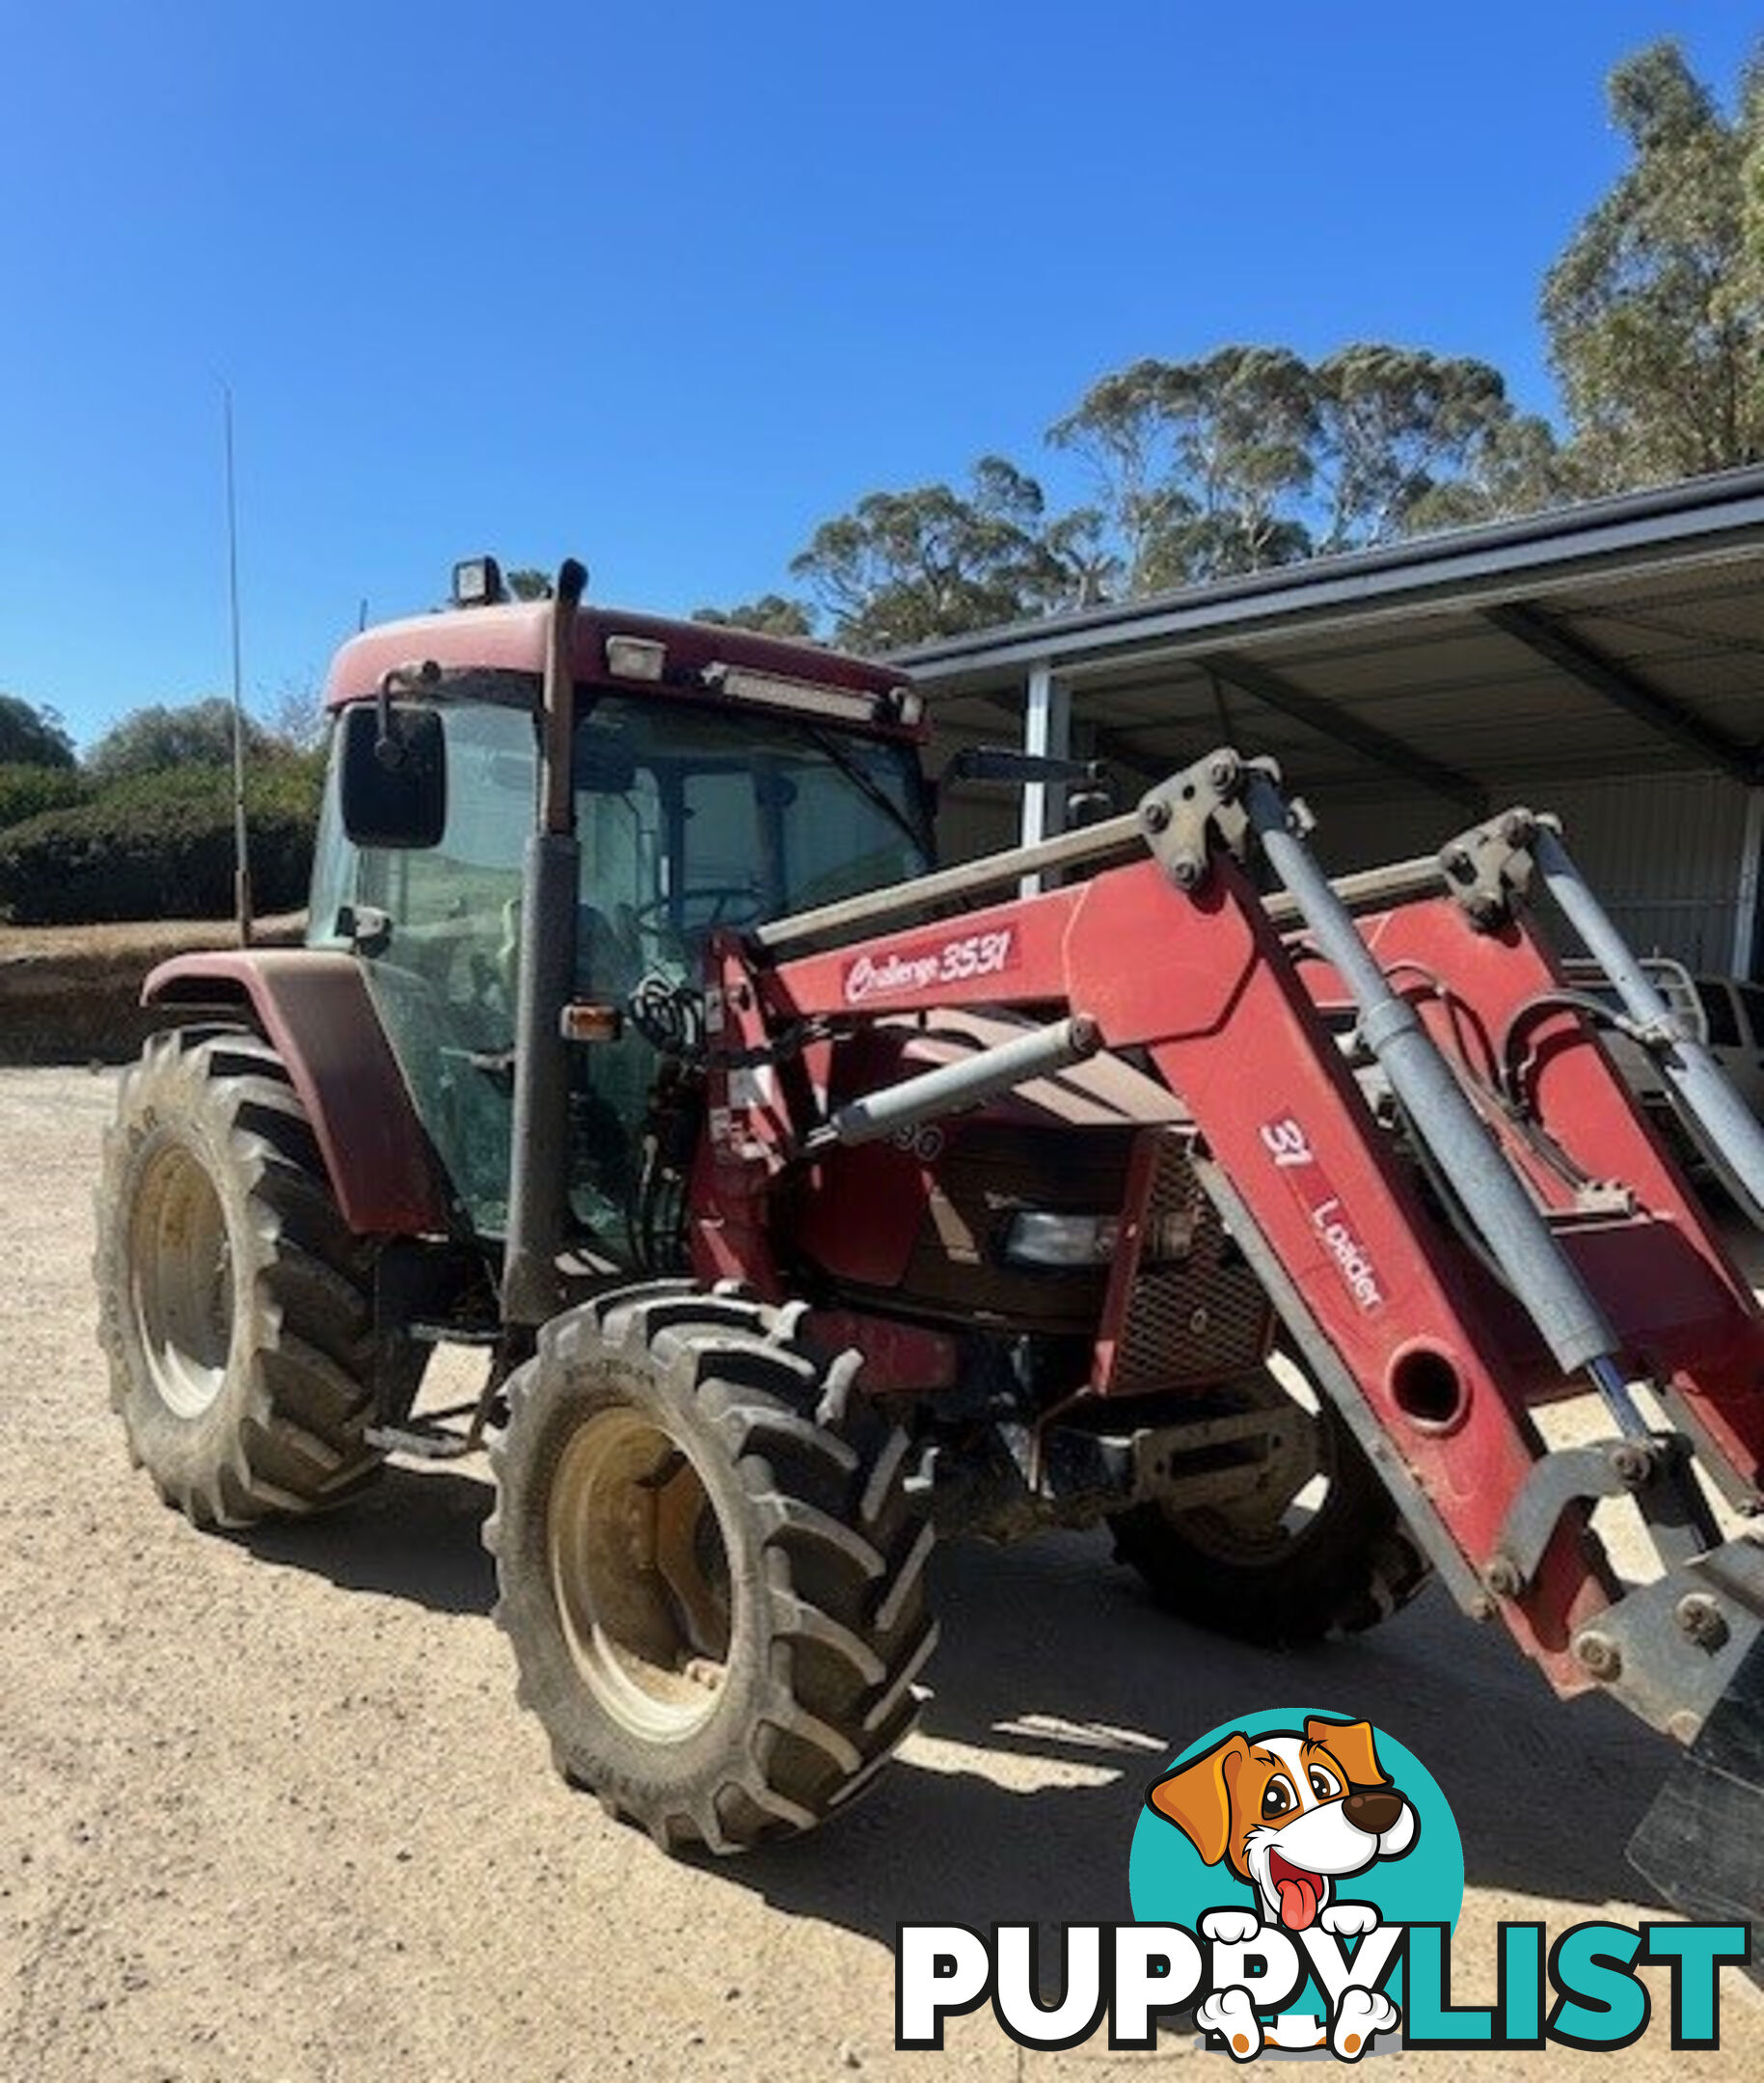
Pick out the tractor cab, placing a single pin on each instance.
(716, 779)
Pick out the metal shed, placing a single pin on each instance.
(1605, 662)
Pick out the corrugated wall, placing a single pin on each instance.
(1662, 850)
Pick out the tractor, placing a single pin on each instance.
(810, 1203)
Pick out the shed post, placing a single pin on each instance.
(1047, 734)
(1745, 907)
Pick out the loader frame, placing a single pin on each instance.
(1444, 1282)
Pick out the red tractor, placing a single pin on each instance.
(810, 1203)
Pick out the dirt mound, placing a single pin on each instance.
(72, 993)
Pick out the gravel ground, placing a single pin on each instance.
(268, 1808)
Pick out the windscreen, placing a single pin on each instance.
(691, 818)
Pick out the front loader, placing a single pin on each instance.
(811, 1204)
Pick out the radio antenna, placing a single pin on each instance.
(241, 848)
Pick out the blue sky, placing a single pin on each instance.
(664, 286)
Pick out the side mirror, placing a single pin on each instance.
(394, 775)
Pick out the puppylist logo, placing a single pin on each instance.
(1299, 1816)
(1295, 1878)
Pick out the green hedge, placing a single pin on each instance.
(27, 792)
(160, 846)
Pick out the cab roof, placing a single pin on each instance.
(512, 637)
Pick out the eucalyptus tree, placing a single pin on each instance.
(902, 567)
(1655, 309)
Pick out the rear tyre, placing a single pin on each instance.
(1288, 1566)
(235, 1306)
(711, 1574)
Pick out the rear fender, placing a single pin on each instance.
(313, 1005)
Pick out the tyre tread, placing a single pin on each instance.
(299, 1443)
(843, 1633)
(1354, 1567)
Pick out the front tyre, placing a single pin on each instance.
(711, 1572)
(1318, 1550)
(235, 1306)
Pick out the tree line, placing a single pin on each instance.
(1252, 456)
(143, 826)
(153, 740)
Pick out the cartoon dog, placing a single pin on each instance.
(1291, 1814)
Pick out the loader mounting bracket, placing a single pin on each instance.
(1488, 869)
(1673, 1648)
(1182, 817)
(1656, 1472)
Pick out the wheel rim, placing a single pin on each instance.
(639, 1571)
(182, 1272)
(1260, 1527)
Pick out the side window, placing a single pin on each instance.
(1752, 1000)
(1717, 1009)
(619, 915)
(475, 871)
(622, 846)
(443, 973)
(828, 853)
(336, 864)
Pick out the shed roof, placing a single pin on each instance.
(1616, 637)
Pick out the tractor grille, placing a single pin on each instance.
(1189, 1310)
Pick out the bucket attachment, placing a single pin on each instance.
(1701, 1844)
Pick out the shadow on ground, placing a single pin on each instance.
(1545, 1794)
(416, 1535)
(1051, 1656)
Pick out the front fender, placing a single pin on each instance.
(313, 1005)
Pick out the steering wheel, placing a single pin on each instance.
(660, 915)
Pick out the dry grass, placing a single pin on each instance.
(72, 993)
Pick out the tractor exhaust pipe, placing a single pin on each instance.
(539, 1177)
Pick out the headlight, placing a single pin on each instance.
(1040, 1238)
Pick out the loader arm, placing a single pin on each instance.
(1545, 1244)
